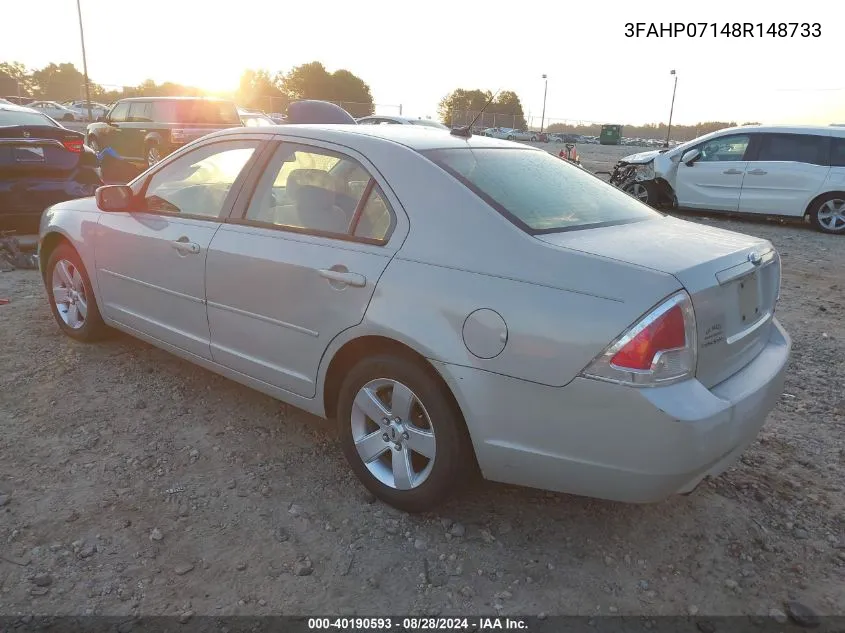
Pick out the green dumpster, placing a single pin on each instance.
(610, 135)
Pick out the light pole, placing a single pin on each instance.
(545, 90)
(85, 62)
(672, 109)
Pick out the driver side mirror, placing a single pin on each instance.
(690, 157)
(114, 198)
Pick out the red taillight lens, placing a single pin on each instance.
(665, 333)
(659, 349)
(73, 145)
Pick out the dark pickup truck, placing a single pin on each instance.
(146, 129)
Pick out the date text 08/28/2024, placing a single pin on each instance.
(726, 29)
(417, 624)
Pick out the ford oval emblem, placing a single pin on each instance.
(755, 258)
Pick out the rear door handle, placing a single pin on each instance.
(733, 172)
(185, 247)
(350, 279)
(758, 172)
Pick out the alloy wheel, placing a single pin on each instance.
(69, 294)
(153, 155)
(831, 215)
(393, 434)
(639, 191)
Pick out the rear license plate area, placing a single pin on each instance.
(29, 154)
(749, 299)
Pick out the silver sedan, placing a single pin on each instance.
(457, 305)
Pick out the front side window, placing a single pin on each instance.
(199, 182)
(799, 148)
(538, 192)
(320, 191)
(725, 148)
(119, 112)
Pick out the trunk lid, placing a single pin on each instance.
(38, 149)
(733, 280)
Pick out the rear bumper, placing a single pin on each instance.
(23, 200)
(613, 442)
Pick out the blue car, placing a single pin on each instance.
(41, 164)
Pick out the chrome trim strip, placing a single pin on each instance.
(750, 329)
(181, 295)
(261, 317)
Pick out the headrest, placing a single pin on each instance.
(310, 177)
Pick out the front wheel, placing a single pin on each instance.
(645, 192)
(401, 433)
(510, 138)
(828, 214)
(71, 296)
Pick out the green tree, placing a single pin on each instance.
(257, 89)
(58, 82)
(14, 76)
(460, 107)
(313, 81)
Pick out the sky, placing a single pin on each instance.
(415, 53)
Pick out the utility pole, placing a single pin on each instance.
(85, 62)
(545, 90)
(672, 109)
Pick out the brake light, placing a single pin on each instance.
(659, 349)
(178, 136)
(73, 145)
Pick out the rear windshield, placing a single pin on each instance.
(199, 111)
(539, 192)
(12, 117)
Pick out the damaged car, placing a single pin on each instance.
(796, 171)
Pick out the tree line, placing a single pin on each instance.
(261, 89)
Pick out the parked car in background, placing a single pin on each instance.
(378, 119)
(41, 163)
(769, 170)
(254, 118)
(146, 129)
(19, 100)
(278, 118)
(80, 109)
(326, 266)
(55, 111)
(4, 101)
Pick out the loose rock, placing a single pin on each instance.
(420, 544)
(487, 537)
(42, 580)
(457, 529)
(295, 510)
(303, 567)
(184, 617)
(4, 499)
(777, 615)
(181, 570)
(156, 535)
(801, 614)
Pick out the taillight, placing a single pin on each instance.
(73, 145)
(178, 136)
(659, 349)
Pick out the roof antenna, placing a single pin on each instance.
(466, 131)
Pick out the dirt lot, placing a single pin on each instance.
(134, 483)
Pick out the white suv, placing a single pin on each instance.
(769, 170)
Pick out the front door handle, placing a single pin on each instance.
(758, 172)
(733, 172)
(344, 277)
(185, 247)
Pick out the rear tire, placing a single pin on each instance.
(71, 296)
(152, 153)
(429, 421)
(828, 214)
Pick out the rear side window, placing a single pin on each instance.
(11, 117)
(837, 152)
(199, 111)
(538, 192)
(140, 111)
(798, 148)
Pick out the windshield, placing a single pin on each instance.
(196, 111)
(539, 192)
(13, 117)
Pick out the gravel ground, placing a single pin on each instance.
(132, 482)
